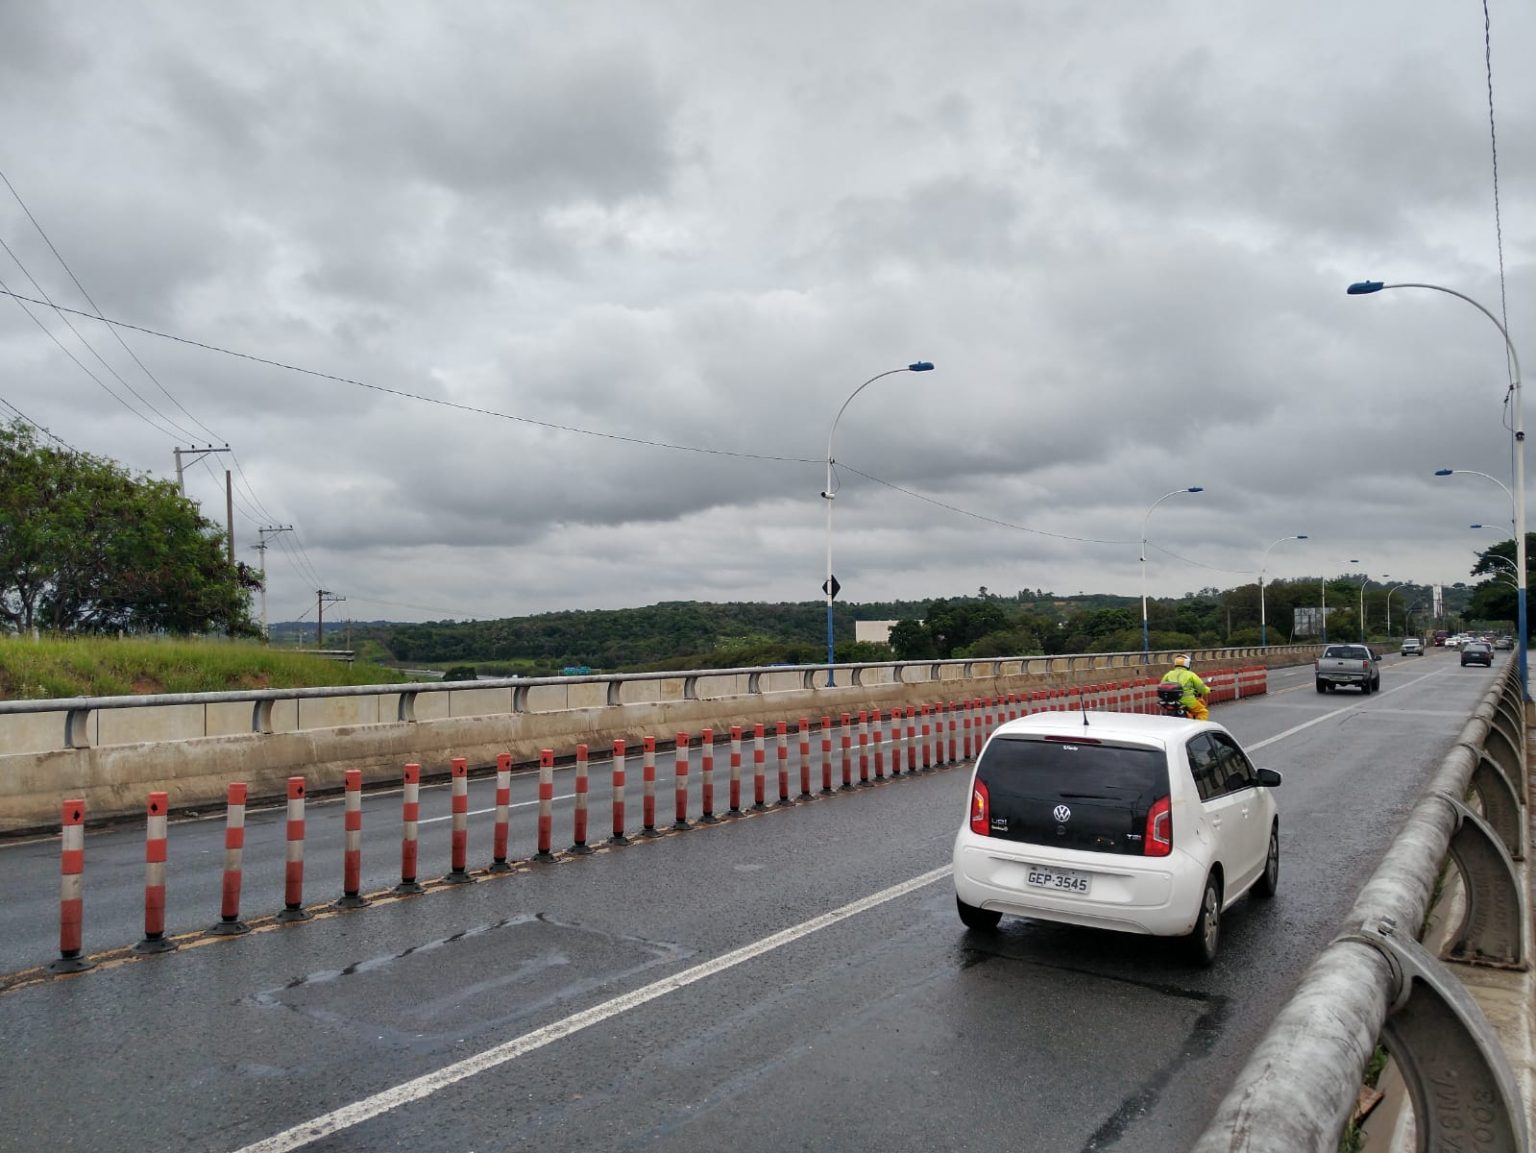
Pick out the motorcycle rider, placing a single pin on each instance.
(1195, 689)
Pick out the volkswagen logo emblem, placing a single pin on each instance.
(1062, 814)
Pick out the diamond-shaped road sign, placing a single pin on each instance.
(832, 580)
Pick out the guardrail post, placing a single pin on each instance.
(1491, 929)
(1501, 804)
(1459, 1081)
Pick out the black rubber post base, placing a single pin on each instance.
(458, 877)
(498, 867)
(618, 839)
(70, 965)
(409, 888)
(352, 901)
(709, 819)
(542, 858)
(681, 826)
(579, 850)
(289, 915)
(229, 929)
(151, 945)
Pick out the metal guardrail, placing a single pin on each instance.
(1376, 982)
(77, 710)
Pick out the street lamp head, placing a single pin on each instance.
(1364, 287)
(920, 366)
(1445, 472)
(1195, 488)
(1479, 526)
(1303, 536)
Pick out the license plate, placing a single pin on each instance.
(1059, 880)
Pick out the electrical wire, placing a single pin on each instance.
(116, 335)
(419, 397)
(28, 420)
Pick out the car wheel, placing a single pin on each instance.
(1205, 937)
(1269, 881)
(1365, 687)
(1322, 687)
(979, 919)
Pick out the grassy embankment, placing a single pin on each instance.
(103, 666)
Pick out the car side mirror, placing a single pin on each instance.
(1269, 778)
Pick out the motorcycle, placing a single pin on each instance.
(1170, 699)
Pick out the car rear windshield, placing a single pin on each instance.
(1349, 652)
(1076, 796)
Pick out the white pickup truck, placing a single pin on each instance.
(1348, 665)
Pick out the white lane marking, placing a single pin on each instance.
(492, 809)
(424, 1086)
(1291, 732)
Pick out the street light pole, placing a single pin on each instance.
(1366, 287)
(1146, 636)
(829, 494)
(1390, 591)
(1263, 624)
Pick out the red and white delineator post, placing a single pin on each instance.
(230, 923)
(579, 844)
(617, 773)
(501, 830)
(547, 806)
(71, 889)
(826, 754)
(648, 789)
(352, 846)
(759, 767)
(781, 732)
(458, 871)
(707, 777)
(680, 782)
(804, 731)
(293, 864)
(155, 851)
(410, 814)
(735, 809)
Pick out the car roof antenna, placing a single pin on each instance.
(1083, 707)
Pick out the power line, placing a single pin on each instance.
(28, 420)
(69, 324)
(403, 394)
(116, 335)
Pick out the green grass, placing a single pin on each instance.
(102, 666)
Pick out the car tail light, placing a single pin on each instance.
(1159, 839)
(981, 809)
(1363, 664)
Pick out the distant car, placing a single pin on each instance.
(1477, 653)
(1413, 647)
(1140, 824)
(1504, 643)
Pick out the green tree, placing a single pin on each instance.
(86, 547)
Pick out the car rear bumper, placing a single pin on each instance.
(1152, 895)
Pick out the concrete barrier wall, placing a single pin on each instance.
(192, 750)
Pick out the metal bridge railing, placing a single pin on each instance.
(1377, 983)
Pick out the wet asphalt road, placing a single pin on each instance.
(890, 1028)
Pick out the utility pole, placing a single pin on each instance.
(322, 598)
(266, 531)
(195, 453)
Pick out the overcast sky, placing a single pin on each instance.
(1121, 231)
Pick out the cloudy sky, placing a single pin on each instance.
(578, 289)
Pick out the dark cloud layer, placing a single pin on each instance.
(1123, 238)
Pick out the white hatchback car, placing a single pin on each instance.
(1144, 824)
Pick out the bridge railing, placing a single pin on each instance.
(38, 726)
(1377, 983)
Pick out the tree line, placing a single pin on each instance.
(86, 547)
